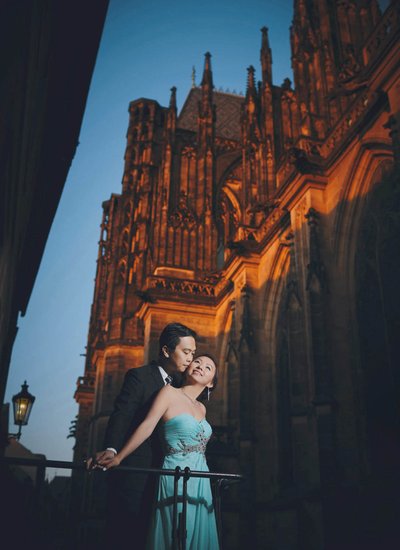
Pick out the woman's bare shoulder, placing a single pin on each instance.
(169, 390)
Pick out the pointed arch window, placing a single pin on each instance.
(125, 243)
(127, 213)
(121, 273)
(145, 132)
(146, 111)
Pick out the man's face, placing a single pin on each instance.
(183, 354)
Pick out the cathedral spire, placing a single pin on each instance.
(251, 100)
(206, 108)
(172, 100)
(207, 81)
(266, 58)
(171, 116)
(204, 187)
(251, 91)
(251, 139)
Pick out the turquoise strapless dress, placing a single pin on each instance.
(185, 440)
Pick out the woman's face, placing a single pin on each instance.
(202, 369)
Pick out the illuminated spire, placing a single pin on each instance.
(251, 85)
(172, 101)
(266, 57)
(207, 81)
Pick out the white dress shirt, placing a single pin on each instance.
(163, 374)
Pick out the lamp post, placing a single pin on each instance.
(22, 403)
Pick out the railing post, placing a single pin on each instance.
(182, 530)
(218, 514)
(175, 509)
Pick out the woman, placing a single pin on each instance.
(185, 433)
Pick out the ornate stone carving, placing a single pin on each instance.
(350, 67)
(316, 267)
(383, 32)
(194, 288)
(225, 145)
(351, 117)
(183, 215)
(246, 331)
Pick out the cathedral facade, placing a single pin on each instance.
(269, 223)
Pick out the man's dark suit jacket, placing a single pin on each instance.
(131, 495)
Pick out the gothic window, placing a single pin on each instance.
(146, 154)
(228, 221)
(137, 154)
(145, 132)
(106, 216)
(146, 111)
(377, 272)
(127, 213)
(125, 243)
(284, 420)
(103, 248)
(285, 451)
(121, 273)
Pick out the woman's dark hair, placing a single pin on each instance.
(171, 334)
(204, 393)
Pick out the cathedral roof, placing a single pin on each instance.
(228, 107)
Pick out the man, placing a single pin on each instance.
(130, 495)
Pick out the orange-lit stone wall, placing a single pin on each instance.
(251, 219)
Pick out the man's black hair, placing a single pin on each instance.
(172, 333)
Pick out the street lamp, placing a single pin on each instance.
(22, 403)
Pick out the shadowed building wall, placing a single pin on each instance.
(47, 55)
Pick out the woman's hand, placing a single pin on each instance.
(96, 461)
(113, 462)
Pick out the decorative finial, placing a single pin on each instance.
(250, 76)
(172, 101)
(207, 82)
(193, 77)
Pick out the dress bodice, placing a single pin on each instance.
(184, 434)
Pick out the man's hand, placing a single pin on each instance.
(100, 460)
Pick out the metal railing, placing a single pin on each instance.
(179, 532)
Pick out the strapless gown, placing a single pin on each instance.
(185, 441)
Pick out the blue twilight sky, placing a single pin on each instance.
(147, 47)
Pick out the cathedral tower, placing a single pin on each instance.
(267, 223)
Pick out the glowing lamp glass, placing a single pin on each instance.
(22, 403)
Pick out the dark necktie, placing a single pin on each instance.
(168, 380)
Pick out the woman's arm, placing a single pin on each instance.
(144, 430)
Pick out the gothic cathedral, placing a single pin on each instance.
(269, 223)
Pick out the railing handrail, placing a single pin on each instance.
(63, 464)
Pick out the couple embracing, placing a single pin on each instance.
(164, 395)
